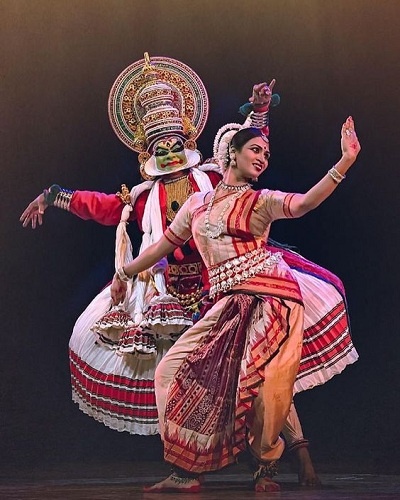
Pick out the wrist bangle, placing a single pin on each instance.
(63, 199)
(335, 175)
(259, 119)
(122, 274)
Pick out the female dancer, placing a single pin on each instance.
(228, 380)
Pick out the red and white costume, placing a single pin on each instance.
(224, 375)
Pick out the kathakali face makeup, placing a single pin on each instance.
(170, 154)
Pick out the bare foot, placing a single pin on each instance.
(266, 484)
(306, 472)
(174, 484)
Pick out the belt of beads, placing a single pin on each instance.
(226, 275)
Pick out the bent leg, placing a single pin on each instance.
(171, 362)
(271, 406)
(179, 481)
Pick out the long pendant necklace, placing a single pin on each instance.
(239, 190)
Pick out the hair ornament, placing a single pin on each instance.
(223, 139)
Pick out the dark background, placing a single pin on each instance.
(331, 58)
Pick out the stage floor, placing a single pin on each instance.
(125, 481)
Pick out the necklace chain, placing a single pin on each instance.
(175, 179)
(239, 190)
(231, 187)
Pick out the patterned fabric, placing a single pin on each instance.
(119, 391)
(246, 229)
(165, 315)
(105, 384)
(138, 341)
(204, 426)
(216, 383)
(214, 388)
(112, 399)
(301, 264)
(202, 399)
(327, 343)
(111, 326)
(95, 369)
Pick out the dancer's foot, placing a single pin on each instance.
(308, 477)
(306, 472)
(262, 477)
(175, 484)
(266, 484)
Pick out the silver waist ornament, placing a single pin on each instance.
(235, 271)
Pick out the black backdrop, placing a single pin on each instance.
(330, 58)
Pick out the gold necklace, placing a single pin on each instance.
(178, 191)
(216, 233)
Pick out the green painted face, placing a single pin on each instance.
(170, 154)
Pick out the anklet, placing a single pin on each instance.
(266, 470)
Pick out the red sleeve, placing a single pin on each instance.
(104, 208)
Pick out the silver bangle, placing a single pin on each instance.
(259, 119)
(336, 175)
(122, 274)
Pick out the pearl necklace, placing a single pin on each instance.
(239, 190)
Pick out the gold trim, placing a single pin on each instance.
(124, 195)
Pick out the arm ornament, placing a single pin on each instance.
(124, 195)
(336, 175)
(259, 118)
(59, 197)
(286, 205)
(122, 275)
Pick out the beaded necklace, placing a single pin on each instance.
(230, 187)
(238, 191)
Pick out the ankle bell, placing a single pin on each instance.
(269, 470)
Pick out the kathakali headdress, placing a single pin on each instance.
(158, 107)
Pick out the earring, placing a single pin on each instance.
(232, 158)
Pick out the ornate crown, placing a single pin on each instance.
(156, 97)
